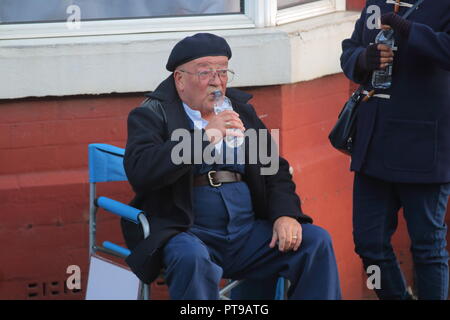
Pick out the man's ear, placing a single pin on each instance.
(179, 83)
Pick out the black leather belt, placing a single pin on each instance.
(216, 178)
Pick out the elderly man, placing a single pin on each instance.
(210, 221)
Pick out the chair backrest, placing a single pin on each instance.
(106, 163)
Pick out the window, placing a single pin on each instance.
(25, 19)
(293, 10)
(283, 4)
(26, 11)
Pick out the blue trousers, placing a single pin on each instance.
(375, 208)
(194, 266)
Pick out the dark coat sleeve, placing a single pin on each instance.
(434, 45)
(351, 49)
(148, 154)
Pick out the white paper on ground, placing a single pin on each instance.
(110, 281)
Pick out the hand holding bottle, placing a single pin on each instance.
(226, 122)
(375, 56)
(401, 26)
(382, 79)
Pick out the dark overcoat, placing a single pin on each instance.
(164, 189)
(405, 138)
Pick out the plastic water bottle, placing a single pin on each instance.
(382, 79)
(222, 103)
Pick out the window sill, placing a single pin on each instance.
(290, 53)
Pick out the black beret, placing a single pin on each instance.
(197, 46)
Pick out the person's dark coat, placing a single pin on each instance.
(164, 190)
(405, 138)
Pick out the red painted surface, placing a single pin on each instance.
(44, 189)
(321, 174)
(355, 5)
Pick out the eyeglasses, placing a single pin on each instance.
(224, 74)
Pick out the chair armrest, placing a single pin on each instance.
(125, 211)
(118, 208)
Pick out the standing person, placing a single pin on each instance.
(210, 221)
(401, 155)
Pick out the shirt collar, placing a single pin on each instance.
(195, 116)
(200, 123)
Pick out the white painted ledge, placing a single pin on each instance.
(289, 53)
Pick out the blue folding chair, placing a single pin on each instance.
(106, 165)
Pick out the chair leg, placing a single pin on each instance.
(282, 289)
(287, 284)
(225, 291)
(144, 292)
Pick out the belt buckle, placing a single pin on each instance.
(210, 179)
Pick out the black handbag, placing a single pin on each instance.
(343, 132)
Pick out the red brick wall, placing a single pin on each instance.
(44, 189)
(355, 5)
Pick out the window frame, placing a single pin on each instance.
(307, 10)
(257, 14)
(124, 26)
(264, 13)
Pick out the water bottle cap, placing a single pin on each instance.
(217, 94)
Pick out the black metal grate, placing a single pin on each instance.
(50, 289)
